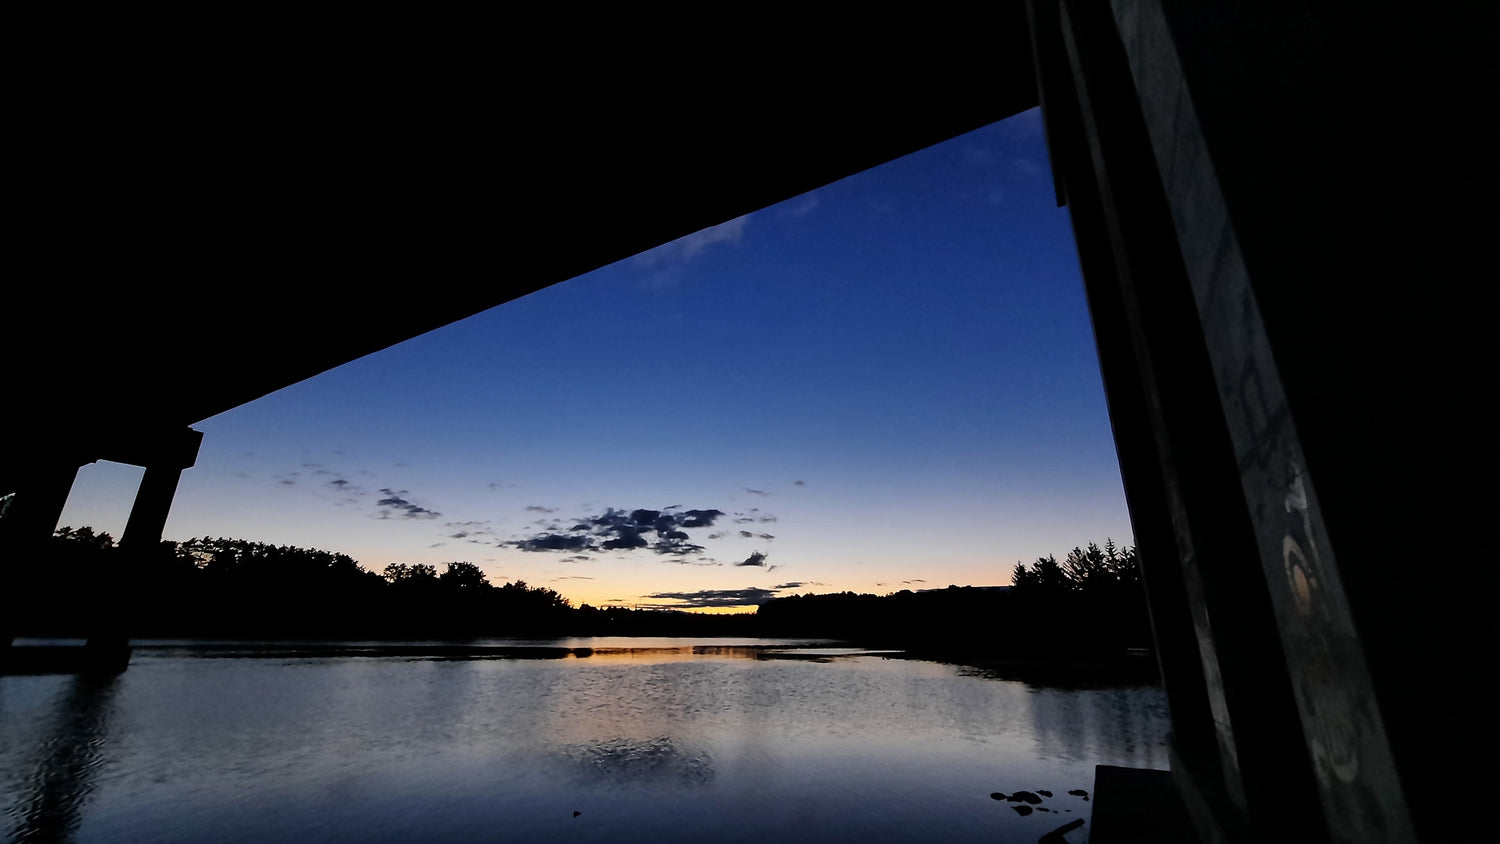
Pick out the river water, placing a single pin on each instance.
(611, 740)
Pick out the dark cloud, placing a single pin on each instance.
(755, 491)
(799, 483)
(766, 536)
(757, 558)
(662, 531)
(626, 539)
(747, 534)
(698, 518)
(796, 584)
(677, 548)
(534, 508)
(554, 542)
(707, 598)
(394, 504)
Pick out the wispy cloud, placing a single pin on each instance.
(685, 250)
(475, 532)
(396, 505)
(800, 206)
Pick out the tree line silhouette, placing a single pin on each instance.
(1090, 605)
(236, 588)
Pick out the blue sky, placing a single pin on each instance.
(887, 383)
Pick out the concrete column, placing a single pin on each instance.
(1264, 785)
(1177, 652)
(153, 502)
(36, 492)
(1249, 121)
(143, 530)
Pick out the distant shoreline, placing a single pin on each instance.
(1132, 669)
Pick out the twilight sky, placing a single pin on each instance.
(887, 383)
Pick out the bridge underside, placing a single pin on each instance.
(1278, 217)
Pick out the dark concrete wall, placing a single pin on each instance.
(1324, 182)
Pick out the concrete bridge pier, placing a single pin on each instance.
(35, 490)
(1279, 257)
(38, 488)
(109, 639)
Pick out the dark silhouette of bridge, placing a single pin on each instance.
(1281, 211)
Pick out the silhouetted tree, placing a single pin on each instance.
(1086, 566)
(86, 536)
(1050, 576)
(464, 576)
(415, 573)
(1022, 577)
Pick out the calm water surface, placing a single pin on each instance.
(659, 740)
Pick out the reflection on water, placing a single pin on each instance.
(676, 741)
(640, 762)
(54, 783)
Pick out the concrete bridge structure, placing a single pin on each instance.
(1283, 214)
